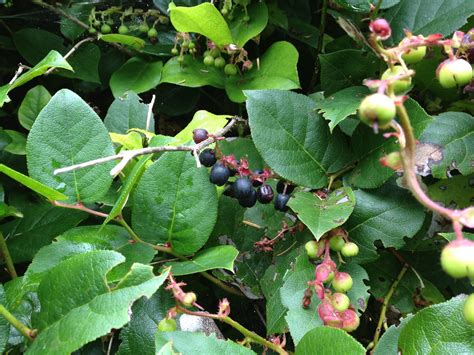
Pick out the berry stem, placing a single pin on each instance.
(7, 257)
(388, 296)
(239, 327)
(28, 333)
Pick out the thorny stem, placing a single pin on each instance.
(23, 329)
(127, 155)
(7, 257)
(386, 301)
(239, 327)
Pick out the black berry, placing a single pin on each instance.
(219, 174)
(229, 190)
(249, 201)
(257, 183)
(280, 202)
(200, 135)
(242, 188)
(281, 187)
(265, 194)
(207, 157)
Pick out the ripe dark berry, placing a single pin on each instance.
(381, 28)
(229, 190)
(200, 135)
(281, 187)
(280, 202)
(265, 194)
(243, 188)
(257, 183)
(219, 174)
(207, 157)
(249, 201)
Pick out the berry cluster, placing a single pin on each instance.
(335, 308)
(243, 188)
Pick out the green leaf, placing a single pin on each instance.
(452, 134)
(220, 257)
(370, 147)
(4, 325)
(32, 184)
(17, 144)
(195, 343)
(439, 16)
(388, 214)
(453, 192)
(346, 68)
(34, 43)
(272, 73)
(439, 329)
(342, 104)
(127, 112)
(320, 216)
(88, 314)
(52, 60)
(388, 344)
(329, 341)
(33, 102)
(204, 19)
(293, 139)
(51, 146)
(85, 63)
(111, 238)
(243, 31)
(70, 29)
(128, 185)
(365, 5)
(175, 203)
(201, 119)
(138, 336)
(127, 40)
(42, 222)
(135, 75)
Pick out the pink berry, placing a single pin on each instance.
(381, 28)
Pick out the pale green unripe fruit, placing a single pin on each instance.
(452, 73)
(399, 86)
(377, 108)
(468, 310)
(340, 301)
(189, 298)
(342, 282)
(413, 55)
(167, 325)
(457, 259)
(349, 250)
(311, 248)
(336, 243)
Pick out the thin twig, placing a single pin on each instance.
(130, 154)
(71, 51)
(21, 68)
(7, 257)
(28, 333)
(385, 304)
(150, 112)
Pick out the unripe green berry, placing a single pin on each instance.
(143, 28)
(191, 45)
(336, 243)
(342, 282)
(208, 60)
(206, 53)
(180, 59)
(189, 298)
(174, 51)
(457, 259)
(152, 33)
(399, 86)
(167, 325)
(340, 301)
(96, 23)
(185, 44)
(246, 18)
(123, 29)
(452, 73)
(377, 108)
(413, 55)
(468, 310)
(92, 30)
(392, 161)
(105, 28)
(230, 69)
(311, 248)
(215, 52)
(349, 250)
(219, 62)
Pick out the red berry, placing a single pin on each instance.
(381, 28)
(200, 135)
(350, 320)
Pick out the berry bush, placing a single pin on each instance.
(237, 177)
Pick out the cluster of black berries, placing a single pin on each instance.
(243, 188)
